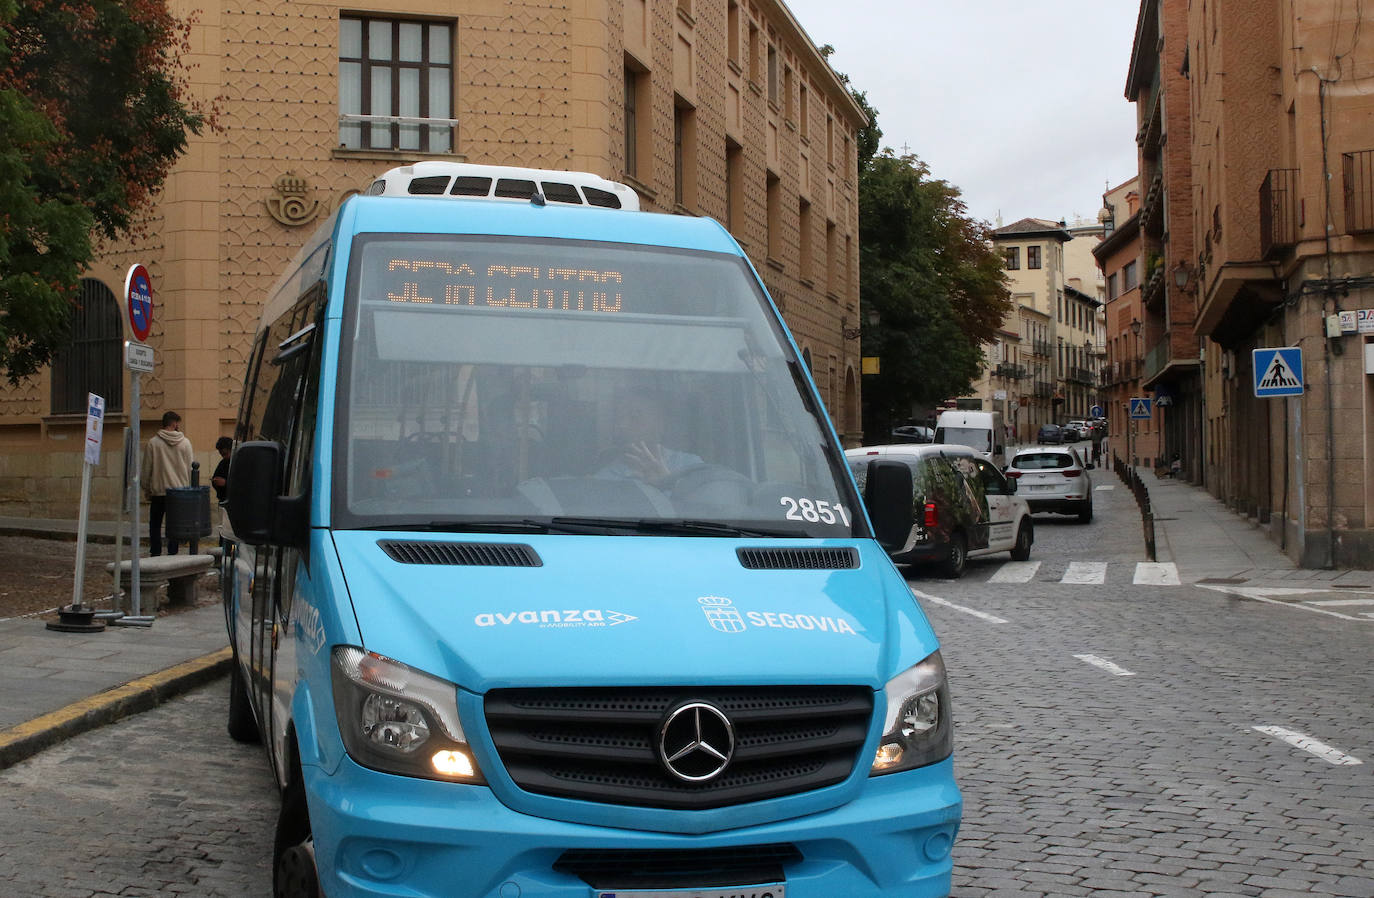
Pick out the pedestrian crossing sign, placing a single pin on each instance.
(1140, 406)
(1278, 372)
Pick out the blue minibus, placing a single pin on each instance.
(547, 577)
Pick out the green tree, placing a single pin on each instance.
(91, 121)
(928, 277)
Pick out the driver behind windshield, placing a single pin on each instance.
(638, 427)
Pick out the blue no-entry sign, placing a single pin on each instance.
(1278, 372)
(138, 296)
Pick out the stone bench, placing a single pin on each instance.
(181, 574)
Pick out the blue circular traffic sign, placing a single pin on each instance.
(138, 295)
(1095, 411)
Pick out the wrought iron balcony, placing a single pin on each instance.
(1009, 371)
(1043, 389)
(1359, 191)
(1279, 210)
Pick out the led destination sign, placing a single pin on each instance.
(436, 282)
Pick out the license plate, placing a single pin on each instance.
(1042, 486)
(770, 890)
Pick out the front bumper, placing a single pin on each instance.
(1072, 505)
(377, 834)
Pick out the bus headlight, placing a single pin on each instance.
(397, 719)
(918, 729)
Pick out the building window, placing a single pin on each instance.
(1128, 277)
(789, 105)
(1111, 287)
(734, 186)
(804, 243)
(774, 193)
(830, 140)
(732, 28)
(832, 257)
(1032, 257)
(755, 55)
(804, 123)
(395, 85)
(684, 154)
(636, 122)
(772, 75)
(1012, 255)
(92, 362)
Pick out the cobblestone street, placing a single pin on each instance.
(163, 803)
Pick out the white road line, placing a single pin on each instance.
(1263, 594)
(1015, 572)
(1104, 487)
(1308, 744)
(1085, 572)
(936, 600)
(1335, 603)
(1106, 665)
(1156, 573)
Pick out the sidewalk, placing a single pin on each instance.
(61, 684)
(1208, 541)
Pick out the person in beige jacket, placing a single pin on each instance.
(166, 463)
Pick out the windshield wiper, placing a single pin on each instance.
(668, 525)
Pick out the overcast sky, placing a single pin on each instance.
(1020, 105)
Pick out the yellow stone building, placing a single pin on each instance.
(721, 108)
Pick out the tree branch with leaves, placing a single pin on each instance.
(93, 114)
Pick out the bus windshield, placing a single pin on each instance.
(574, 386)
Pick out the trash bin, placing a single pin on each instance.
(188, 513)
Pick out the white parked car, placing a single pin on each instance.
(1054, 478)
(963, 507)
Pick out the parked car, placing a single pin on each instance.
(1050, 435)
(913, 433)
(1077, 430)
(1054, 480)
(963, 506)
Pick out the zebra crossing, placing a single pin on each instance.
(1078, 573)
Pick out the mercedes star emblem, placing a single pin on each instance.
(696, 742)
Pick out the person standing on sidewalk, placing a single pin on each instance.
(220, 480)
(166, 463)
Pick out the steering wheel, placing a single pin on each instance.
(709, 483)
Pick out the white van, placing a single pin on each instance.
(980, 431)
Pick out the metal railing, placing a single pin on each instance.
(1359, 191)
(1133, 482)
(1009, 370)
(1279, 208)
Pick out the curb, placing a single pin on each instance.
(145, 693)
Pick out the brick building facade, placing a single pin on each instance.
(721, 108)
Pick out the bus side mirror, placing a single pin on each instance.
(887, 496)
(257, 511)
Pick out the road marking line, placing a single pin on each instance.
(1104, 487)
(1334, 603)
(1106, 665)
(1156, 573)
(1085, 572)
(936, 600)
(1015, 572)
(1262, 594)
(1308, 744)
